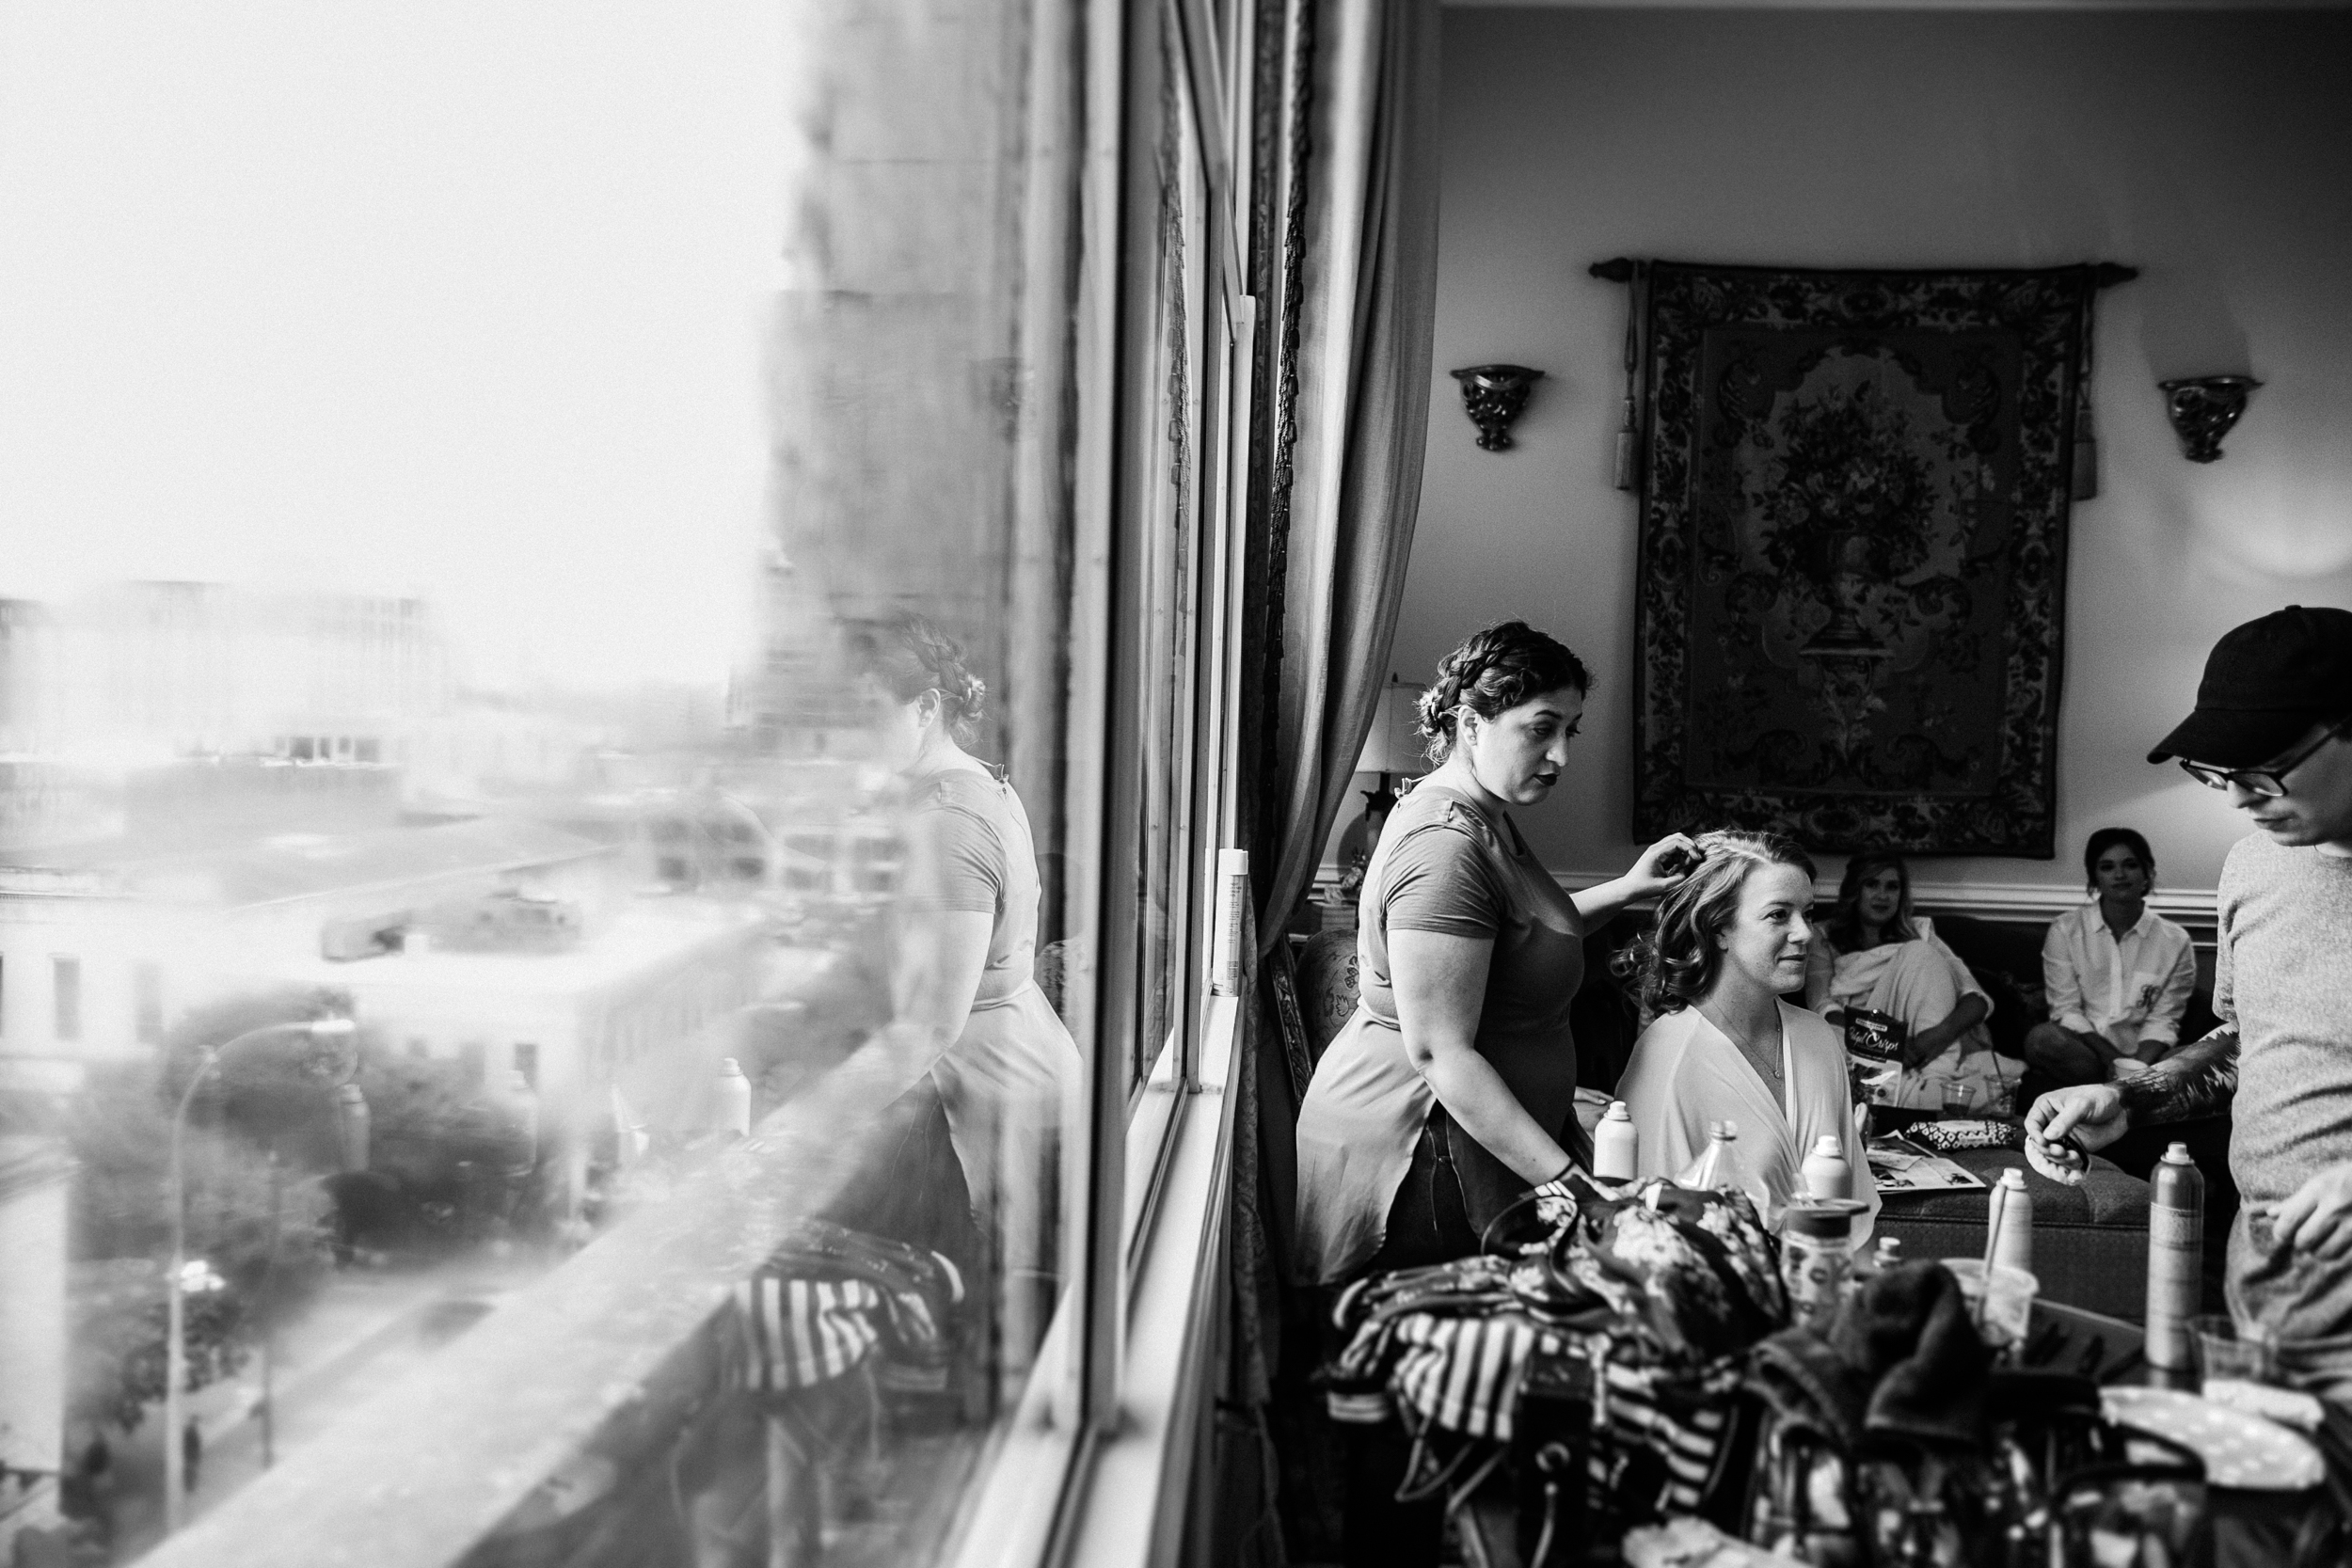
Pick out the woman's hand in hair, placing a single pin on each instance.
(1663, 864)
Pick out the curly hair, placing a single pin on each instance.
(909, 655)
(1675, 963)
(1843, 925)
(2110, 838)
(1494, 670)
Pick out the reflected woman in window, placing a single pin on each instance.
(968, 1020)
(1722, 971)
(1874, 952)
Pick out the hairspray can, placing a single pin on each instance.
(2014, 1246)
(2176, 1245)
(1617, 1145)
(1826, 1172)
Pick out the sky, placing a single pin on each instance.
(459, 299)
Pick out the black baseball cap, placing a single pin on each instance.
(2265, 683)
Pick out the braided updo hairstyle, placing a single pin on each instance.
(1491, 673)
(909, 655)
(1675, 963)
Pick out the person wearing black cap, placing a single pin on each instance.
(2273, 730)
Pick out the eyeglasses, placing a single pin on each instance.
(2269, 783)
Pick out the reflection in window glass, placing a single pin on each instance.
(65, 980)
(556, 671)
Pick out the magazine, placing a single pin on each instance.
(1900, 1166)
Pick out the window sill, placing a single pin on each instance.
(1129, 1504)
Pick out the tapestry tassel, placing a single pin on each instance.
(1624, 480)
(1626, 475)
(2086, 486)
(2086, 456)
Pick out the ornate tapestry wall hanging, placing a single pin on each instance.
(1854, 491)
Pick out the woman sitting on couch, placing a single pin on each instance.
(1874, 953)
(2118, 974)
(1729, 1043)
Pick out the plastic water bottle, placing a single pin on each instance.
(1617, 1146)
(731, 1101)
(2013, 1248)
(1721, 1167)
(1826, 1172)
(2176, 1258)
(1718, 1163)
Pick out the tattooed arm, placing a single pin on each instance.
(2066, 1125)
(2198, 1080)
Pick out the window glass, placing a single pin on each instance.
(66, 998)
(1169, 480)
(544, 593)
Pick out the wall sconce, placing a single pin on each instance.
(1494, 395)
(2203, 409)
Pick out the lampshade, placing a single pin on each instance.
(1394, 745)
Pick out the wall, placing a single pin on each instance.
(2209, 150)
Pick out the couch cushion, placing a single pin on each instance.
(2107, 1196)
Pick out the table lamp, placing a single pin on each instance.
(1392, 748)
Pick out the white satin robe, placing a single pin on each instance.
(1685, 1073)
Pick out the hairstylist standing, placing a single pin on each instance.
(1451, 1091)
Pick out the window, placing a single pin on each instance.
(66, 991)
(147, 1002)
(771, 396)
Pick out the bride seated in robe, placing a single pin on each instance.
(1729, 1043)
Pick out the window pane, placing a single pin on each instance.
(1166, 502)
(550, 699)
(66, 983)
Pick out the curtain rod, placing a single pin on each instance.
(2104, 275)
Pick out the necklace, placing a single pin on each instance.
(1764, 1058)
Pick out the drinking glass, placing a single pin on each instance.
(2223, 1353)
(1955, 1102)
(2002, 1319)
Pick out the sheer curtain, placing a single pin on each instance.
(1352, 282)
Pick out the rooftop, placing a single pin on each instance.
(299, 865)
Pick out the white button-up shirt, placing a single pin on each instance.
(2132, 990)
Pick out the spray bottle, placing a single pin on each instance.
(2176, 1244)
(1617, 1146)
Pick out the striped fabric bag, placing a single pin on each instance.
(1463, 1374)
(803, 1332)
(1672, 1417)
(832, 1301)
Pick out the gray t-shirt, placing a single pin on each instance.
(2284, 977)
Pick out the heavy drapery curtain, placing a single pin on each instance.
(1362, 413)
(1346, 277)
